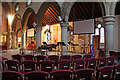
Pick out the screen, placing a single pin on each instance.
(30, 32)
(84, 26)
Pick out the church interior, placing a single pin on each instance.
(64, 40)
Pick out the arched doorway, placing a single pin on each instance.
(50, 26)
(47, 15)
(16, 26)
(27, 22)
(31, 31)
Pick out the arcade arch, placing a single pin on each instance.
(25, 18)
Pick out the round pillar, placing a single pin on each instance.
(109, 24)
(38, 36)
(64, 26)
(13, 40)
(22, 38)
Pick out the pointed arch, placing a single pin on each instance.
(26, 15)
(66, 8)
(43, 9)
(16, 18)
(6, 7)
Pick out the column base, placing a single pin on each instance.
(107, 54)
(65, 52)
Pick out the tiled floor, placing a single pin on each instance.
(11, 52)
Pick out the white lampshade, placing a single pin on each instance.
(59, 18)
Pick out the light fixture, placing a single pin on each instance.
(34, 24)
(17, 7)
(59, 18)
(10, 19)
(28, 3)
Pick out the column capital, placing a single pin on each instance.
(109, 19)
(38, 28)
(64, 24)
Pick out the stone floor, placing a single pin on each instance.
(8, 54)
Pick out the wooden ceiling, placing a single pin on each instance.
(50, 16)
(85, 10)
(30, 21)
(79, 11)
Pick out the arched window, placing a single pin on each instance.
(48, 36)
(99, 30)
(102, 35)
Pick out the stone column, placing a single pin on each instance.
(22, 38)
(9, 38)
(38, 36)
(109, 24)
(13, 40)
(24, 33)
(64, 26)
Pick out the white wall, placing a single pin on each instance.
(117, 33)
